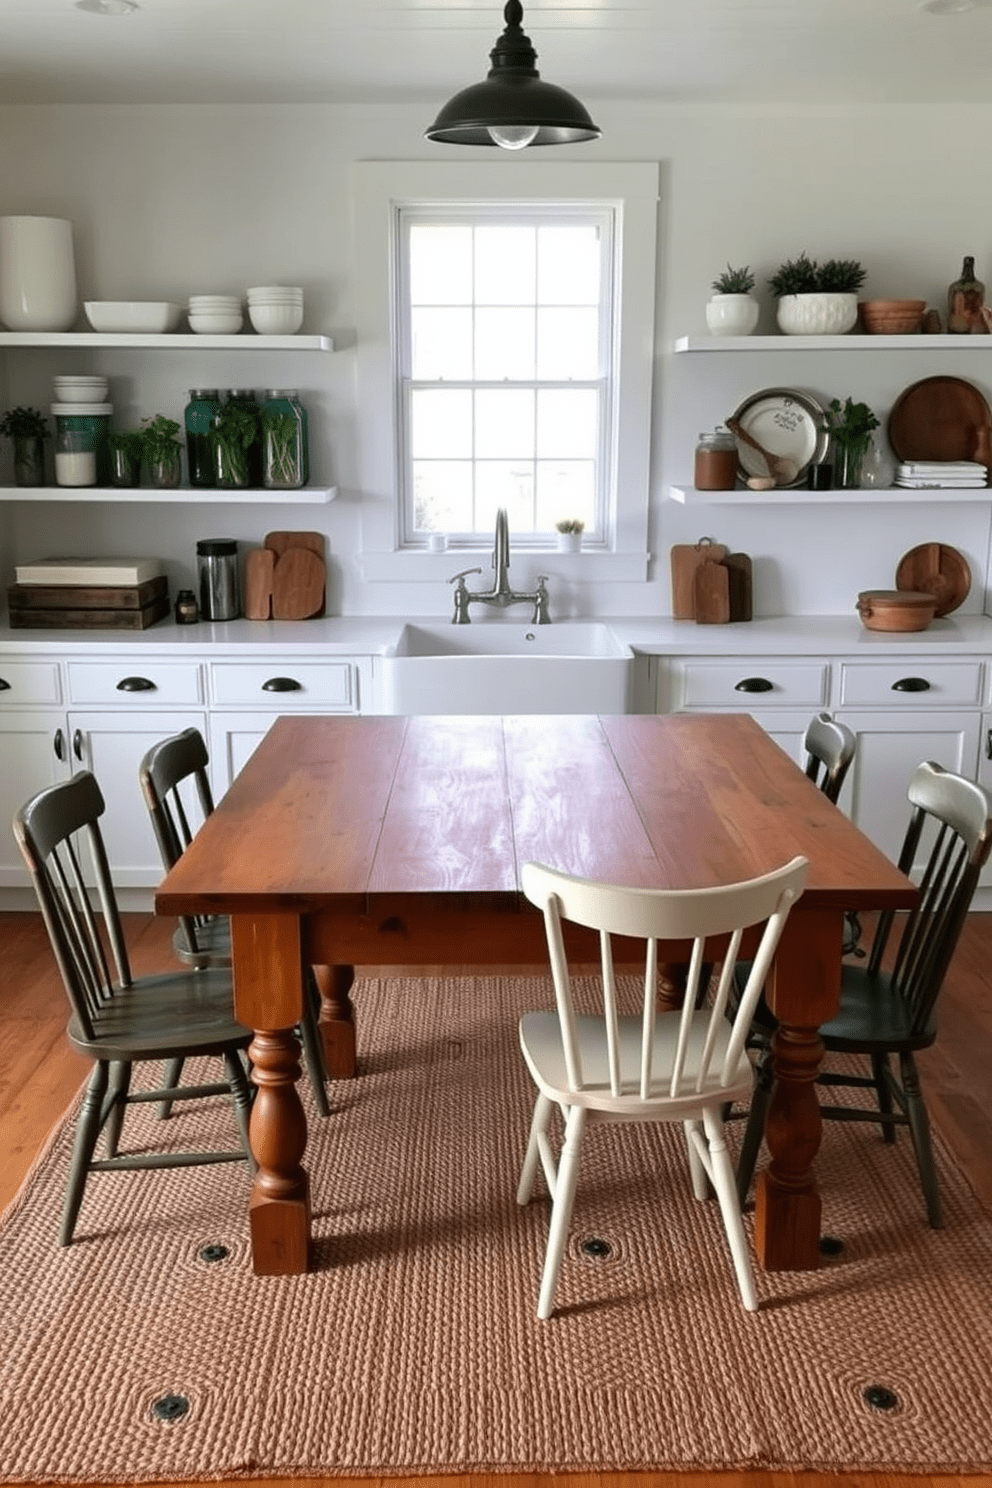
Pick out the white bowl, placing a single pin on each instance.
(147, 317)
(215, 324)
(81, 389)
(276, 320)
(264, 291)
(214, 302)
(275, 299)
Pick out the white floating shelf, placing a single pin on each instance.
(172, 341)
(185, 495)
(890, 496)
(850, 342)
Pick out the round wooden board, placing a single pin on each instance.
(941, 418)
(937, 569)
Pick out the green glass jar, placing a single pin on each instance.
(250, 461)
(198, 418)
(285, 444)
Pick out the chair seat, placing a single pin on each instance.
(213, 942)
(541, 1042)
(161, 1017)
(872, 1017)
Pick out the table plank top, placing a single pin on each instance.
(335, 811)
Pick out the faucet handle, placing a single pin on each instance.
(460, 577)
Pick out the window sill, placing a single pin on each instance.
(417, 566)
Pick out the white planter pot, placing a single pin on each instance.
(570, 542)
(37, 274)
(817, 314)
(731, 315)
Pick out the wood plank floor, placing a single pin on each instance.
(39, 1074)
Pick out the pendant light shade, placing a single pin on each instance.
(513, 108)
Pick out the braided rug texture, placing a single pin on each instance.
(148, 1351)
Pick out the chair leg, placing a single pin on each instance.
(170, 1079)
(919, 1126)
(241, 1095)
(312, 1052)
(722, 1170)
(120, 1083)
(87, 1132)
(879, 1073)
(701, 1186)
(561, 1212)
(538, 1127)
(754, 1131)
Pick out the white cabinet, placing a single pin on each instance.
(34, 751)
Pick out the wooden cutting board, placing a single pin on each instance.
(738, 566)
(298, 585)
(686, 559)
(711, 594)
(937, 569)
(282, 543)
(260, 567)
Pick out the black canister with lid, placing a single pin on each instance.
(217, 569)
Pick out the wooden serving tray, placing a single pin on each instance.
(90, 619)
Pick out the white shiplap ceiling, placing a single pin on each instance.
(351, 51)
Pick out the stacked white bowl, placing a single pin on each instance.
(79, 388)
(215, 315)
(275, 309)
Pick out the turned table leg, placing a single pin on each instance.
(803, 993)
(336, 1020)
(268, 997)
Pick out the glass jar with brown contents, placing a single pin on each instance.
(716, 461)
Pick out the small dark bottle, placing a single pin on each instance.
(186, 609)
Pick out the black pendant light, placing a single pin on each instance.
(513, 108)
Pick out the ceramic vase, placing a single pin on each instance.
(570, 542)
(37, 274)
(731, 314)
(818, 314)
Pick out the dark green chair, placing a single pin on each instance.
(119, 1020)
(170, 768)
(888, 1008)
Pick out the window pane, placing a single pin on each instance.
(440, 264)
(505, 265)
(567, 423)
(441, 424)
(568, 265)
(441, 345)
(504, 423)
(508, 483)
(504, 344)
(565, 488)
(567, 344)
(442, 495)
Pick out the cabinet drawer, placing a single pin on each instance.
(749, 684)
(910, 684)
(284, 685)
(133, 683)
(29, 682)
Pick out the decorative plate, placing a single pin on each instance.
(785, 422)
(941, 418)
(937, 569)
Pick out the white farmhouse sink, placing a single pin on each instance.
(572, 667)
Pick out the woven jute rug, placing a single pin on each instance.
(149, 1351)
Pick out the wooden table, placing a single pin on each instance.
(399, 841)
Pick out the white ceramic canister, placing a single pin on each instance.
(37, 274)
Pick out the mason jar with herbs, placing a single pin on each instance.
(198, 417)
(285, 452)
(235, 443)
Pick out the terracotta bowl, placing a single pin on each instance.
(891, 317)
(896, 609)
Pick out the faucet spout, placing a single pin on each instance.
(501, 553)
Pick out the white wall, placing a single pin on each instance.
(168, 201)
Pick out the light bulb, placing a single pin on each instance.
(513, 136)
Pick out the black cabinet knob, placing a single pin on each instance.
(4, 685)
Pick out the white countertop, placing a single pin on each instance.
(357, 635)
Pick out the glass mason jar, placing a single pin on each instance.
(237, 457)
(285, 453)
(125, 463)
(83, 460)
(716, 461)
(198, 418)
(29, 460)
(165, 471)
(75, 458)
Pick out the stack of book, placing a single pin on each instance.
(88, 594)
(925, 475)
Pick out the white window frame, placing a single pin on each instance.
(380, 188)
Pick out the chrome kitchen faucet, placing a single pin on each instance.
(500, 594)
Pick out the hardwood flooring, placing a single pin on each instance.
(39, 1074)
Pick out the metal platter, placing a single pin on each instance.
(786, 422)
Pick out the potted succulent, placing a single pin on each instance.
(817, 299)
(570, 532)
(125, 447)
(732, 310)
(851, 425)
(161, 451)
(28, 429)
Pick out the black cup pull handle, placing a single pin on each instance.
(754, 684)
(4, 685)
(77, 744)
(911, 684)
(282, 684)
(136, 684)
(988, 744)
(58, 744)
